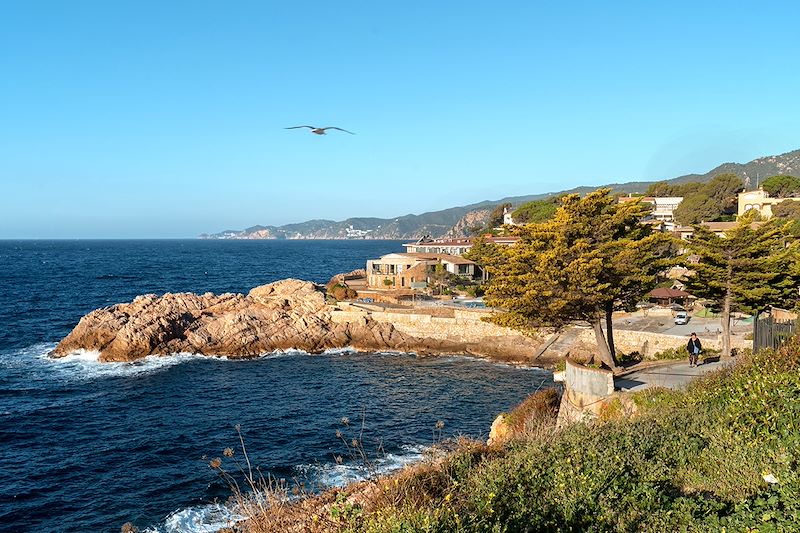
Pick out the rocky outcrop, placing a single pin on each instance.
(467, 224)
(289, 314)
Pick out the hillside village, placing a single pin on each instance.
(399, 274)
(436, 275)
(459, 221)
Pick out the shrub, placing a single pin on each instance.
(626, 358)
(539, 408)
(341, 292)
(701, 460)
(672, 353)
(476, 291)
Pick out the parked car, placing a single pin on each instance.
(681, 317)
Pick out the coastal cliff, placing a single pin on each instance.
(289, 314)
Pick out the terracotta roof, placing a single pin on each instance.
(456, 260)
(664, 292)
(465, 242)
(442, 242)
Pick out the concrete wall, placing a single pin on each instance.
(586, 390)
(590, 383)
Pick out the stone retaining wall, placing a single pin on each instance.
(465, 325)
(648, 344)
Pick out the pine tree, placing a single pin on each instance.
(753, 266)
(591, 255)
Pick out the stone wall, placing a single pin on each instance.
(648, 343)
(464, 326)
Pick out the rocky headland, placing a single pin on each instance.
(289, 314)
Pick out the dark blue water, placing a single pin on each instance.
(87, 446)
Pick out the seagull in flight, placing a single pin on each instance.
(320, 131)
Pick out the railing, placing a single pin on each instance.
(771, 333)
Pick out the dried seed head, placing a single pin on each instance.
(228, 452)
(345, 420)
(216, 462)
(439, 424)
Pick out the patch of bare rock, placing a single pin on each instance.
(289, 314)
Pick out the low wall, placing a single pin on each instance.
(589, 383)
(648, 343)
(586, 389)
(465, 326)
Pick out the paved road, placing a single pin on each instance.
(704, 327)
(673, 376)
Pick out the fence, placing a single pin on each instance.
(769, 332)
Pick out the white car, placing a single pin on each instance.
(681, 317)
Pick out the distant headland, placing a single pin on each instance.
(457, 221)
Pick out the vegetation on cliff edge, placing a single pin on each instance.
(722, 456)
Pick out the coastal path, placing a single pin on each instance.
(675, 375)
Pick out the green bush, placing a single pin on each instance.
(722, 456)
(672, 353)
(339, 292)
(476, 291)
(632, 357)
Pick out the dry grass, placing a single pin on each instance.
(269, 506)
(538, 409)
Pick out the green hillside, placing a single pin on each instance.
(437, 223)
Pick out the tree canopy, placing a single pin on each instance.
(711, 201)
(592, 253)
(696, 209)
(789, 209)
(537, 210)
(751, 267)
(782, 186)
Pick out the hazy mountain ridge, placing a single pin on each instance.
(453, 220)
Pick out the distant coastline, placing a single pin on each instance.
(450, 222)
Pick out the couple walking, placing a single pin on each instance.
(694, 348)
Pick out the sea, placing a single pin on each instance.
(88, 446)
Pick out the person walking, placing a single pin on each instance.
(694, 348)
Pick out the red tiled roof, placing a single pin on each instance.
(664, 292)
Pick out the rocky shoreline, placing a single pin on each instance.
(286, 315)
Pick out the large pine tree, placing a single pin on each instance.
(752, 267)
(592, 255)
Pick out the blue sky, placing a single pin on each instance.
(165, 119)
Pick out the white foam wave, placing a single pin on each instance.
(291, 352)
(86, 364)
(213, 517)
(328, 475)
(201, 519)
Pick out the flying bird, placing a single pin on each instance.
(320, 131)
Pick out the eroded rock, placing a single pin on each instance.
(289, 314)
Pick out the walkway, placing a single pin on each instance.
(672, 376)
